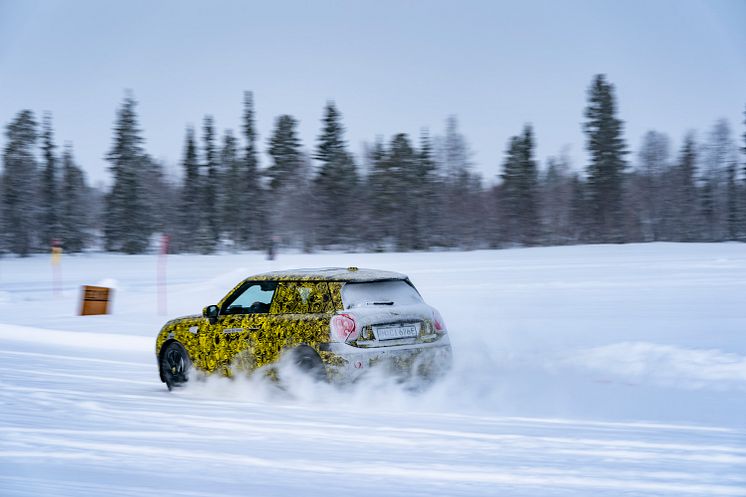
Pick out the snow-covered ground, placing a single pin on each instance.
(595, 370)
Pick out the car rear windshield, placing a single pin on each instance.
(383, 293)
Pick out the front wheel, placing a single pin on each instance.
(175, 365)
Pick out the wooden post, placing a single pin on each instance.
(95, 300)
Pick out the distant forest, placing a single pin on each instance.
(403, 193)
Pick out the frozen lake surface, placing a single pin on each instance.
(579, 371)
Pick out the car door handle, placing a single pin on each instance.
(253, 329)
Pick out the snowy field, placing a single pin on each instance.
(579, 371)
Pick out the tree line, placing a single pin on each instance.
(401, 193)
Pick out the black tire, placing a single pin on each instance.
(308, 361)
(175, 365)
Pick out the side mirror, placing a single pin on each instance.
(211, 312)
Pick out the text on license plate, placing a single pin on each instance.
(392, 332)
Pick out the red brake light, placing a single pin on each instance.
(440, 325)
(344, 327)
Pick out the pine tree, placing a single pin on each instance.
(48, 191)
(708, 209)
(128, 226)
(688, 220)
(742, 222)
(607, 165)
(426, 192)
(427, 166)
(556, 201)
(211, 193)
(253, 216)
(456, 155)
(510, 192)
(285, 152)
(743, 149)
(335, 183)
(20, 177)
(370, 226)
(159, 197)
(232, 211)
(579, 210)
(714, 198)
(406, 164)
(382, 188)
(390, 181)
(520, 190)
(193, 233)
(74, 212)
(732, 211)
(655, 192)
(19, 183)
(331, 142)
(288, 183)
(455, 160)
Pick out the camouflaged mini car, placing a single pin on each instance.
(333, 323)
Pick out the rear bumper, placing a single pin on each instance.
(345, 363)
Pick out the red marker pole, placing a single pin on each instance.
(161, 276)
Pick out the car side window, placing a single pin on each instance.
(253, 298)
(302, 297)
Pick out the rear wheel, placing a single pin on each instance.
(308, 361)
(175, 365)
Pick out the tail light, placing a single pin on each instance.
(438, 323)
(344, 327)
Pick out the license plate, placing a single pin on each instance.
(393, 332)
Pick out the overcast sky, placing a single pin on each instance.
(391, 66)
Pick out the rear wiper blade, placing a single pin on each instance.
(381, 302)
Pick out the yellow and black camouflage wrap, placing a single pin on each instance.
(301, 309)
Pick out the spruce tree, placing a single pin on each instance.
(331, 142)
(743, 149)
(211, 191)
(253, 216)
(520, 190)
(232, 210)
(579, 210)
(654, 186)
(714, 201)
(605, 171)
(288, 173)
(741, 204)
(459, 193)
(689, 226)
(391, 179)
(193, 232)
(285, 152)
(20, 180)
(369, 226)
(732, 210)
(335, 183)
(127, 224)
(74, 212)
(48, 191)
(426, 164)
(382, 190)
(426, 191)
(556, 200)
(406, 164)
(708, 209)
(510, 192)
(160, 198)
